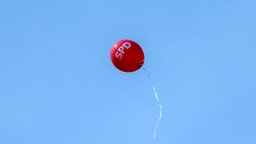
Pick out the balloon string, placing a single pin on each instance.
(160, 106)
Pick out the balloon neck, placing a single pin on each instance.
(141, 63)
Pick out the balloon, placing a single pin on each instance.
(127, 56)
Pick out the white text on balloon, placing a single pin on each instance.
(120, 52)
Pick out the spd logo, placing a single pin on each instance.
(121, 50)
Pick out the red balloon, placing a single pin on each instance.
(127, 55)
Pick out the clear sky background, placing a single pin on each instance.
(58, 85)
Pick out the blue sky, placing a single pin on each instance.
(58, 85)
